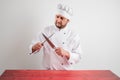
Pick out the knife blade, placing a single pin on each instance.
(49, 42)
(48, 38)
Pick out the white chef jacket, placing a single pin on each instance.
(64, 38)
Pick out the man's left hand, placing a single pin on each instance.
(61, 52)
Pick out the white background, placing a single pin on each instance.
(97, 21)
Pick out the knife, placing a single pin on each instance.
(49, 42)
(42, 43)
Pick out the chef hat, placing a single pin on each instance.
(65, 11)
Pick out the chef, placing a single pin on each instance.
(67, 49)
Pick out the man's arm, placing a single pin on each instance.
(36, 44)
(73, 52)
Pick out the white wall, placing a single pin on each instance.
(97, 21)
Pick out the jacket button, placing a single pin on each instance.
(61, 63)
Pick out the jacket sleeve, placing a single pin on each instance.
(34, 41)
(75, 52)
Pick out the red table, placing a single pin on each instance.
(58, 75)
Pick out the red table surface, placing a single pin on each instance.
(58, 75)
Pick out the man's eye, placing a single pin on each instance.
(62, 18)
(57, 16)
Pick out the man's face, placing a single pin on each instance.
(61, 21)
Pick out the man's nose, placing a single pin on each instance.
(58, 19)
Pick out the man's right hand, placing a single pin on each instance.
(37, 47)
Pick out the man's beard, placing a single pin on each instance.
(60, 26)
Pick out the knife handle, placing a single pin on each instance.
(34, 52)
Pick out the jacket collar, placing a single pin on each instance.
(64, 29)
